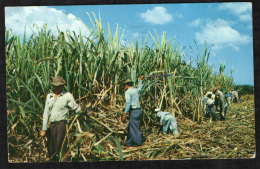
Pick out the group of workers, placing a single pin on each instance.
(167, 120)
(215, 100)
(59, 102)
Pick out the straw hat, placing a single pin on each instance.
(57, 81)
(128, 81)
(156, 110)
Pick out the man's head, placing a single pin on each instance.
(58, 82)
(128, 83)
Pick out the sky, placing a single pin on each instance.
(226, 27)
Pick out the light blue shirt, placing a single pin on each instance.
(168, 121)
(132, 97)
(162, 115)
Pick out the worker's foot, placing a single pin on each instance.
(132, 145)
(135, 145)
(123, 143)
(176, 136)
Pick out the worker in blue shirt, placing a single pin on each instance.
(228, 98)
(167, 121)
(134, 109)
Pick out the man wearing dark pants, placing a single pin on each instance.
(219, 102)
(56, 111)
(57, 141)
(134, 109)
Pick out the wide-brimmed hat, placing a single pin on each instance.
(156, 110)
(128, 81)
(209, 94)
(57, 81)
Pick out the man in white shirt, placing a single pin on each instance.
(211, 107)
(56, 111)
(235, 96)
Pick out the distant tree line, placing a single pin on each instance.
(245, 89)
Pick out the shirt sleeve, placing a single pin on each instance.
(128, 102)
(46, 114)
(140, 86)
(162, 117)
(72, 104)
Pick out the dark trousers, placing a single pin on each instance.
(219, 104)
(211, 111)
(57, 143)
(133, 131)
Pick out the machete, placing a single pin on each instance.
(170, 76)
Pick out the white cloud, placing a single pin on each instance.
(195, 23)
(245, 17)
(242, 10)
(157, 16)
(221, 34)
(178, 15)
(237, 8)
(16, 18)
(136, 35)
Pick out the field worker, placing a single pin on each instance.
(134, 109)
(215, 92)
(56, 111)
(235, 93)
(204, 101)
(228, 99)
(219, 102)
(205, 98)
(232, 95)
(211, 107)
(227, 103)
(167, 121)
(239, 95)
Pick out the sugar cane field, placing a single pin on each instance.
(94, 69)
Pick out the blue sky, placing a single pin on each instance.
(227, 26)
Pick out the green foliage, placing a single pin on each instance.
(92, 64)
(244, 89)
(94, 68)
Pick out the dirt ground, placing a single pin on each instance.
(232, 138)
